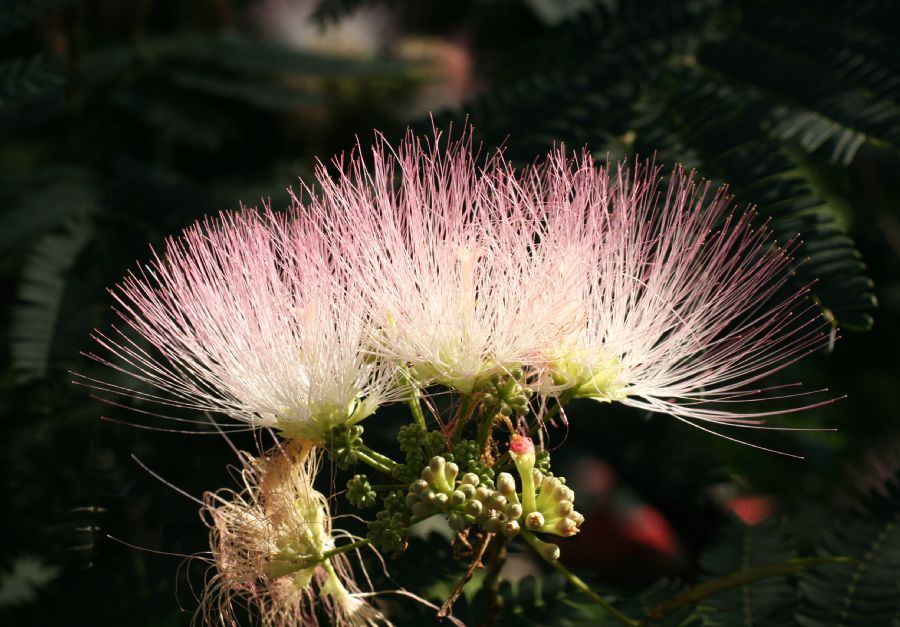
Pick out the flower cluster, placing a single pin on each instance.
(422, 269)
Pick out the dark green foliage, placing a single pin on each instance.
(24, 79)
(739, 547)
(15, 14)
(864, 592)
(741, 91)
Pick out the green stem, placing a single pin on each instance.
(347, 547)
(414, 405)
(384, 459)
(580, 584)
(380, 467)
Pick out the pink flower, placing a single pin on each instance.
(245, 315)
(687, 305)
(446, 256)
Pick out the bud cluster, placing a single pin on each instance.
(342, 442)
(506, 396)
(360, 492)
(389, 529)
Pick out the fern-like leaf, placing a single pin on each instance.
(23, 79)
(867, 591)
(41, 291)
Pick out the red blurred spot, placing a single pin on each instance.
(752, 509)
(646, 526)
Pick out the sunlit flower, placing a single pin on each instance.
(245, 315)
(269, 547)
(687, 304)
(446, 256)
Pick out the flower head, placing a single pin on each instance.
(269, 546)
(687, 304)
(246, 315)
(446, 257)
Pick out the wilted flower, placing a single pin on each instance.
(245, 315)
(269, 547)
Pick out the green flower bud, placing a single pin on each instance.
(506, 484)
(511, 529)
(471, 479)
(474, 508)
(457, 498)
(534, 520)
(468, 490)
(513, 511)
(456, 521)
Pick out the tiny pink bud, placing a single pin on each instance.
(521, 445)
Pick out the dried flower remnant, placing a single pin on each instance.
(272, 548)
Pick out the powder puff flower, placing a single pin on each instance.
(270, 545)
(244, 315)
(447, 259)
(686, 304)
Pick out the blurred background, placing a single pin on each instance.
(123, 121)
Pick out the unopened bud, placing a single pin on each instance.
(467, 489)
(419, 510)
(550, 552)
(441, 499)
(493, 525)
(564, 508)
(428, 496)
(513, 511)
(471, 478)
(412, 499)
(577, 517)
(506, 484)
(450, 471)
(418, 485)
(496, 501)
(474, 507)
(457, 521)
(534, 520)
(511, 528)
(437, 464)
(482, 493)
(457, 498)
(566, 527)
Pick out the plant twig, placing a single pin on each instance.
(491, 583)
(461, 584)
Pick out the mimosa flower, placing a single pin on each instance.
(447, 258)
(270, 545)
(687, 304)
(245, 315)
